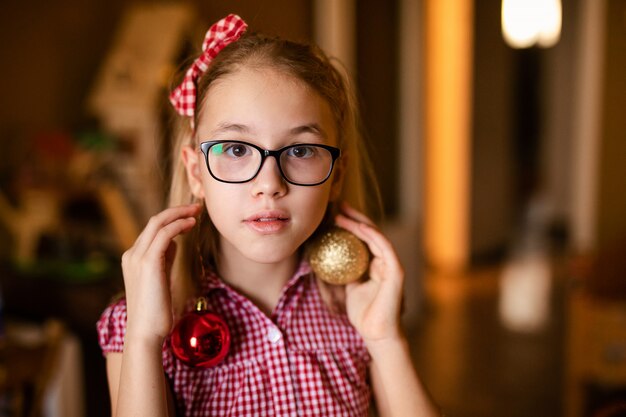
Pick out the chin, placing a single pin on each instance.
(269, 253)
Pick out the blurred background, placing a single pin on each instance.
(497, 132)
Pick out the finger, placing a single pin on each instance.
(158, 221)
(377, 243)
(158, 249)
(357, 228)
(354, 227)
(163, 218)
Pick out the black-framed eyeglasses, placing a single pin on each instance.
(234, 161)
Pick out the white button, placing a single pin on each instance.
(274, 335)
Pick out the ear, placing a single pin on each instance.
(193, 167)
(338, 174)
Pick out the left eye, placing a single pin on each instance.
(301, 151)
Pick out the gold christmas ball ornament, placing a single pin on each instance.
(338, 256)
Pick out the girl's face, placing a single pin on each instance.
(266, 219)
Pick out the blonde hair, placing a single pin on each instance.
(310, 65)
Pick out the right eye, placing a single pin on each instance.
(232, 149)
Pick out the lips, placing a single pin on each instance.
(268, 216)
(268, 222)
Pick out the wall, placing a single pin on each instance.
(522, 131)
(492, 211)
(50, 53)
(376, 81)
(611, 213)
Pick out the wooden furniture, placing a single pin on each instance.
(130, 91)
(595, 354)
(78, 305)
(28, 357)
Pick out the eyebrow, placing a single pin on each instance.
(313, 128)
(230, 127)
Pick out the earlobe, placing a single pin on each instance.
(189, 158)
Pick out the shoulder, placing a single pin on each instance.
(112, 327)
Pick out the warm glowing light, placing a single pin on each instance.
(448, 112)
(193, 342)
(531, 22)
(525, 287)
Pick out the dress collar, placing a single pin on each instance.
(213, 281)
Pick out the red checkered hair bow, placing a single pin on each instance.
(221, 34)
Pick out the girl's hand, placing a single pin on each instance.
(373, 305)
(146, 267)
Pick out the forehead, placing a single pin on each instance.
(266, 101)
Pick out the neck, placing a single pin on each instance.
(262, 283)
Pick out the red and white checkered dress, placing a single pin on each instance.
(302, 361)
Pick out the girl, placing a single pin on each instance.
(271, 150)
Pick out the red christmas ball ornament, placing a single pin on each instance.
(200, 338)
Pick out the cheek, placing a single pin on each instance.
(214, 193)
(222, 207)
(316, 203)
(219, 197)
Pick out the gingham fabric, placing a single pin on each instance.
(222, 33)
(302, 361)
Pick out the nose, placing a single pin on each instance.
(269, 181)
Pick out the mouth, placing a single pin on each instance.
(268, 222)
(268, 217)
